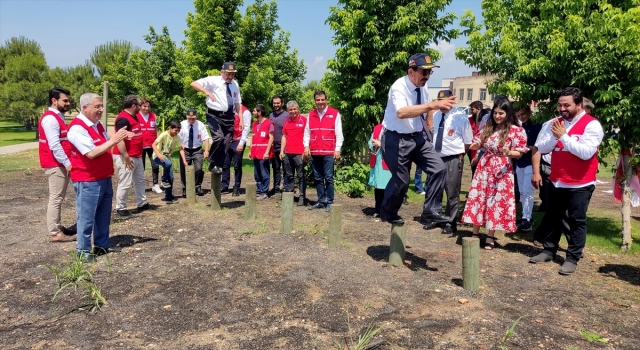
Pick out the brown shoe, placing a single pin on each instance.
(61, 237)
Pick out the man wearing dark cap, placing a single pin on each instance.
(193, 134)
(223, 96)
(404, 140)
(452, 135)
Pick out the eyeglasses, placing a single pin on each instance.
(97, 106)
(424, 72)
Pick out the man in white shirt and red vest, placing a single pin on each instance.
(277, 117)
(128, 157)
(91, 171)
(223, 96)
(241, 128)
(322, 142)
(261, 150)
(148, 125)
(54, 159)
(292, 149)
(574, 139)
(404, 140)
(194, 135)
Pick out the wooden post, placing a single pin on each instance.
(250, 202)
(191, 184)
(398, 244)
(470, 263)
(216, 200)
(105, 98)
(287, 212)
(335, 226)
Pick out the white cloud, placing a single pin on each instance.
(318, 59)
(447, 49)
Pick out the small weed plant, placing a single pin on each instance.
(510, 332)
(365, 340)
(77, 273)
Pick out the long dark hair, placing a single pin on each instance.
(477, 105)
(491, 126)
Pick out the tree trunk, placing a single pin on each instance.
(626, 204)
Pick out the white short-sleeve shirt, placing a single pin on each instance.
(218, 87)
(402, 94)
(79, 136)
(457, 132)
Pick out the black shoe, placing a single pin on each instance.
(97, 251)
(540, 258)
(433, 217)
(525, 225)
(87, 257)
(236, 192)
(568, 267)
(301, 201)
(71, 230)
(199, 191)
(405, 201)
(393, 220)
(224, 190)
(449, 229)
(170, 200)
(430, 226)
(316, 206)
(184, 193)
(216, 170)
(123, 212)
(143, 207)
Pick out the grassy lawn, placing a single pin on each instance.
(13, 133)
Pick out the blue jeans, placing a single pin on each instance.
(93, 204)
(261, 174)
(323, 176)
(417, 180)
(167, 175)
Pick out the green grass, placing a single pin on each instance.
(26, 160)
(13, 133)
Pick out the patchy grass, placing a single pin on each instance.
(27, 161)
(13, 133)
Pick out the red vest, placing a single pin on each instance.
(323, 132)
(149, 129)
(376, 135)
(294, 131)
(84, 169)
(134, 146)
(47, 160)
(568, 168)
(260, 140)
(238, 124)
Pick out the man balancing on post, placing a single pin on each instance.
(404, 140)
(223, 95)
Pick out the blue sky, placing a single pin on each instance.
(69, 30)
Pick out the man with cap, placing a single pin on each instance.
(452, 136)
(193, 134)
(404, 140)
(223, 95)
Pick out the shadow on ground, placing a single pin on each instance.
(413, 262)
(128, 240)
(627, 273)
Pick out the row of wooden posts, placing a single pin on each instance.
(397, 246)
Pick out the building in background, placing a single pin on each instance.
(472, 88)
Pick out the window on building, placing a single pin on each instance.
(483, 94)
(493, 97)
(469, 94)
(461, 96)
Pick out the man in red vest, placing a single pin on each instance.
(147, 120)
(54, 153)
(91, 171)
(322, 142)
(241, 128)
(128, 157)
(292, 149)
(574, 139)
(261, 150)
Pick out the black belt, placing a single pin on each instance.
(195, 149)
(451, 156)
(216, 112)
(408, 134)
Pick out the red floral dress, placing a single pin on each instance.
(491, 201)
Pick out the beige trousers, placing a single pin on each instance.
(128, 177)
(58, 183)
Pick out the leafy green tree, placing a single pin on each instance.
(23, 87)
(375, 39)
(103, 55)
(77, 80)
(537, 47)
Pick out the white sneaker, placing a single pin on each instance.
(156, 188)
(422, 193)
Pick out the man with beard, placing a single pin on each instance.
(277, 117)
(574, 139)
(54, 159)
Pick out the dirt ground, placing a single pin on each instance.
(193, 278)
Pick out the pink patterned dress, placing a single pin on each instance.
(491, 201)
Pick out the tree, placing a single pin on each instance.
(77, 80)
(375, 39)
(104, 55)
(23, 87)
(537, 47)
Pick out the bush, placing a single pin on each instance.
(353, 179)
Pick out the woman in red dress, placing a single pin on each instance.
(491, 200)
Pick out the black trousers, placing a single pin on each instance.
(193, 156)
(573, 201)
(221, 127)
(452, 185)
(545, 171)
(155, 169)
(277, 166)
(399, 151)
(379, 196)
(232, 157)
(293, 165)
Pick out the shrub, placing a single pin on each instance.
(353, 179)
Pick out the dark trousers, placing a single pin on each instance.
(261, 174)
(193, 156)
(155, 169)
(277, 166)
(221, 127)
(545, 171)
(573, 201)
(293, 165)
(232, 157)
(452, 184)
(379, 196)
(323, 177)
(473, 167)
(399, 150)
